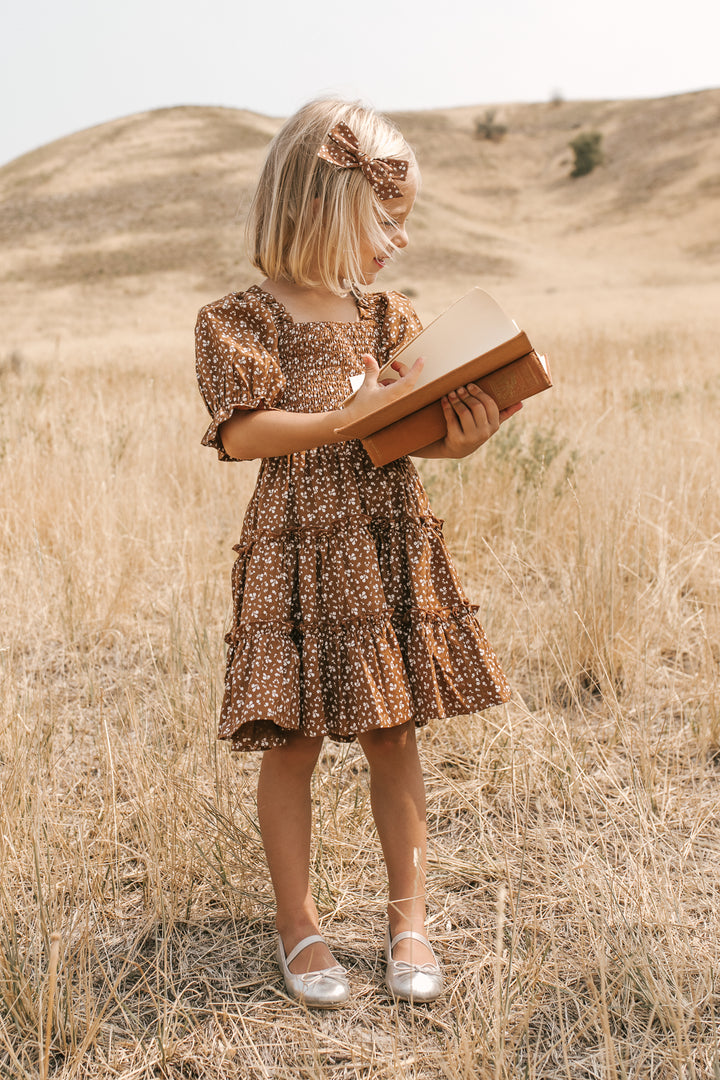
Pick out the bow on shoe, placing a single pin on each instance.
(342, 149)
(402, 967)
(312, 978)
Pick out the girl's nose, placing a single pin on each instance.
(400, 238)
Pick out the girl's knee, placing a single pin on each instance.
(384, 744)
(299, 752)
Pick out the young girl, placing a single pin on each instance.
(349, 618)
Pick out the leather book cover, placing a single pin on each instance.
(520, 379)
(468, 342)
(427, 392)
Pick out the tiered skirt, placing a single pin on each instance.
(348, 613)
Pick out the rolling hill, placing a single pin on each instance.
(115, 235)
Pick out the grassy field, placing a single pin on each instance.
(574, 834)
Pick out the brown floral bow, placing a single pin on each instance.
(341, 149)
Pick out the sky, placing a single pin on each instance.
(70, 64)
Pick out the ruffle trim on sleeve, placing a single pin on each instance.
(400, 323)
(236, 361)
(212, 437)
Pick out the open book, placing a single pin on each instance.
(473, 341)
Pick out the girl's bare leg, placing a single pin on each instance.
(397, 797)
(284, 813)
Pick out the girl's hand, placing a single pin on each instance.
(472, 417)
(373, 394)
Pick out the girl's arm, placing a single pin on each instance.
(472, 417)
(253, 433)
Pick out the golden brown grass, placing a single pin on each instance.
(574, 856)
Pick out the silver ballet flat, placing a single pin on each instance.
(411, 982)
(324, 989)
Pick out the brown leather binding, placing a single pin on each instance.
(513, 382)
(473, 370)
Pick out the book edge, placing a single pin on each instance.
(511, 350)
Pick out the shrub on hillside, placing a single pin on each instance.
(487, 128)
(587, 148)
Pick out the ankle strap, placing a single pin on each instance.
(410, 934)
(302, 945)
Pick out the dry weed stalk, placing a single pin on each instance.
(52, 981)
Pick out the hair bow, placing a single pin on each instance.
(341, 149)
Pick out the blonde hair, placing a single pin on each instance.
(309, 217)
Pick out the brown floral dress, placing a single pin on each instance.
(348, 612)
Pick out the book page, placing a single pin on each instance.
(474, 325)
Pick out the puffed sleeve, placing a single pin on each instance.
(400, 324)
(236, 351)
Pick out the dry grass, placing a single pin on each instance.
(574, 834)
